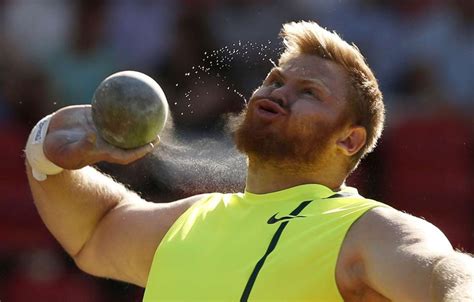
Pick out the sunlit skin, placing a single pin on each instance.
(112, 232)
(304, 96)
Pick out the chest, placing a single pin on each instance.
(286, 253)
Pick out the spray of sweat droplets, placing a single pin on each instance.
(195, 164)
(242, 58)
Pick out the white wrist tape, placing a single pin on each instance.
(40, 165)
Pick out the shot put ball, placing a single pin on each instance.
(129, 109)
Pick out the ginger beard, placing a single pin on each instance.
(298, 142)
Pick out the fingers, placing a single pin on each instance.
(73, 142)
(156, 141)
(124, 157)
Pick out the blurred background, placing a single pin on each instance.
(208, 56)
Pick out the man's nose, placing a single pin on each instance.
(282, 95)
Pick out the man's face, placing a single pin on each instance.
(294, 116)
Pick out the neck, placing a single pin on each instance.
(265, 177)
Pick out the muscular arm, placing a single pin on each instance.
(74, 202)
(108, 230)
(405, 258)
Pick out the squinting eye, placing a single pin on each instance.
(309, 92)
(276, 84)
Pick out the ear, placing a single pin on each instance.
(353, 140)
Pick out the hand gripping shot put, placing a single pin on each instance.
(129, 110)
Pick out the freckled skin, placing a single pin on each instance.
(129, 111)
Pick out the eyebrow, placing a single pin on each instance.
(276, 71)
(317, 83)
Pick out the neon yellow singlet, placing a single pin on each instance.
(281, 246)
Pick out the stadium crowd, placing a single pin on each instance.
(208, 56)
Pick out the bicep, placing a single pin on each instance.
(124, 243)
(399, 252)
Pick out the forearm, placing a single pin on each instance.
(453, 279)
(73, 203)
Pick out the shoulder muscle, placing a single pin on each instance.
(397, 252)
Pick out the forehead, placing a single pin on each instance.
(311, 67)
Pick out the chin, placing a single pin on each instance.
(298, 146)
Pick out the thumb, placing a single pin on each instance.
(124, 157)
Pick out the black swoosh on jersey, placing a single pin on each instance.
(273, 219)
(271, 247)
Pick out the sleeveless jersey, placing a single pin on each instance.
(280, 246)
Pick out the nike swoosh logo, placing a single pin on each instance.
(273, 219)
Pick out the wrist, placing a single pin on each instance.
(41, 166)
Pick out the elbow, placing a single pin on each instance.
(453, 278)
(105, 268)
(92, 264)
(85, 262)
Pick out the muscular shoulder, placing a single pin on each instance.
(381, 237)
(393, 227)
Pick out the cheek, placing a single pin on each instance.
(314, 109)
(308, 119)
(306, 109)
(260, 91)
